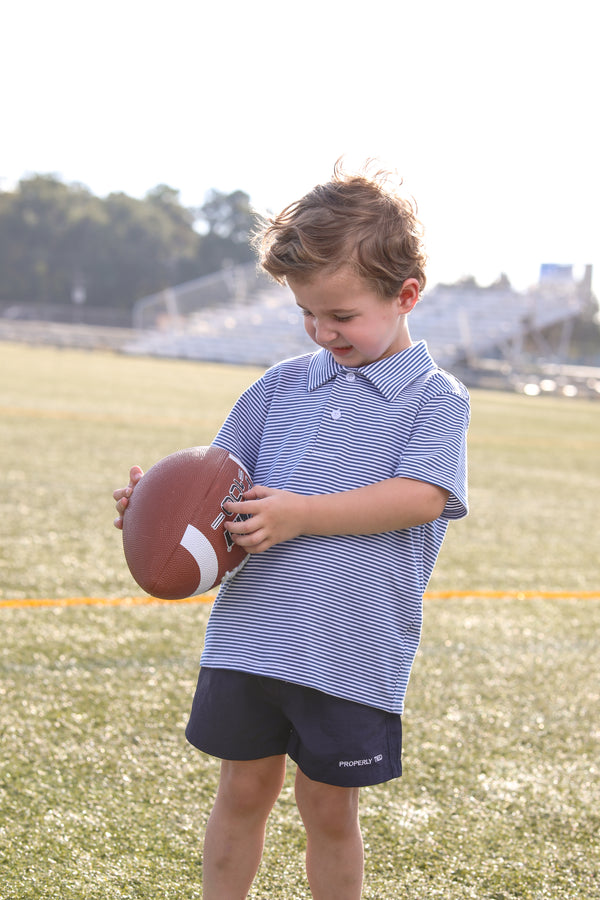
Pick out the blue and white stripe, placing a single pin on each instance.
(341, 614)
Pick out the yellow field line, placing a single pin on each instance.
(98, 601)
(515, 595)
(208, 598)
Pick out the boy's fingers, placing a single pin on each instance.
(244, 525)
(245, 507)
(135, 473)
(122, 495)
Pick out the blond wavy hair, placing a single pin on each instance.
(361, 220)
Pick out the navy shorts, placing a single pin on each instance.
(237, 716)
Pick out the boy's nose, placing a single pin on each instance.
(324, 332)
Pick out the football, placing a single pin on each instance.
(174, 535)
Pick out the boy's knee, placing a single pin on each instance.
(250, 787)
(326, 809)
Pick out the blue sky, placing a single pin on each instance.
(488, 111)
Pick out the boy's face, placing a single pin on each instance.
(346, 316)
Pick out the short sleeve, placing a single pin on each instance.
(242, 430)
(436, 451)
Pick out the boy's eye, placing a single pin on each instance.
(307, 314)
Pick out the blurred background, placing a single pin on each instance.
(139, 139)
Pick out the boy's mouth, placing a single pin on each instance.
(340, 350)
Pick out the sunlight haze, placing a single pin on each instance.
(486, 110)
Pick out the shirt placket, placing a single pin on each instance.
(338, 413)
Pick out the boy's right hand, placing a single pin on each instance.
(122, 495)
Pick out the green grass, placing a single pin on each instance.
(534, 483)
(101, 797)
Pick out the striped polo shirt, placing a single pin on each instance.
(341, 613)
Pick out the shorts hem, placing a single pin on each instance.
(221, 753)
(342, 777)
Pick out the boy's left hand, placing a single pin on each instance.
(275, 516)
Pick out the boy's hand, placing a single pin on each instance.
(275, 516)
(122, 495)
(389, 505)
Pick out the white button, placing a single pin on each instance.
(336, 413)
(350, 376)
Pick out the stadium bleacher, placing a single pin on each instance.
(260, 324)
(258, 330)
(491, 337)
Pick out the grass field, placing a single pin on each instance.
(101, 797)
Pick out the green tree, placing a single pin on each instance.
(148, 242)
(225, 221)
(58, 238)
(36, 233)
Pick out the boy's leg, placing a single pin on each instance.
(235, 832)
(334, 849)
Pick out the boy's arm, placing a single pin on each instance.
(389, 505)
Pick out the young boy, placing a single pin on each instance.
(358, 456)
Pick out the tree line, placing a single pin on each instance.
(61, 244)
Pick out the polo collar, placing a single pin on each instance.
(390, 375)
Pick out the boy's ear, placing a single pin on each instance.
(409, 295)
